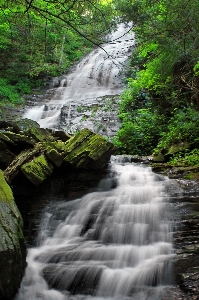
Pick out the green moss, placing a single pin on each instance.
(97, 146)
(12, 243)
(85, 148)
(58, 145)
(177, 148)
(15, 137)
(37, 170)
(5, 190)
(54, 156)
(40, 134)
(158, 157)
(192, 176)
(77, 140)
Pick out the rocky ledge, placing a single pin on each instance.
(29, 157)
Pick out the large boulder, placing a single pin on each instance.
(32, 130)
(88, 150)
(12, 243)
(37, 170)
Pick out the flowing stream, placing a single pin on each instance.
(113, 243)
(98, 74)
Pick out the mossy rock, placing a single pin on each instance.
(12, 243)
(158, 158)
(5, 138)
(54, 156)
(23, 125)
(40, 134)
(192, 176)
(175, 148)
(88, 150)
(32, 129)
(26, 155)
(37, 170)
(19, 138)
(4, 124)
(63, 136)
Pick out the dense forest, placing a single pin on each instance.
(159, 108)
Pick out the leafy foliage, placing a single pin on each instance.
(182, 127)
(139, 133)
(164, 75)
(8, 92)
(186, 159)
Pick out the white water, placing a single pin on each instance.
(98, 74)
(115, 243)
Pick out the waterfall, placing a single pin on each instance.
(113, 243)
(98, 74)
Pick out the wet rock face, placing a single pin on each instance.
(186, 263)
(100, 115)
(12, 243)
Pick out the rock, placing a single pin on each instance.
(54, 155)
(63, 136)
(5, 138)
(12, 243)
(4, 124)
(6, 156)
(32, 130)
(40, 134)
(175, 148)
(88, 150)
(24, 125)
(17, 138)
(158, 158)
(12, 170)
(37, 170)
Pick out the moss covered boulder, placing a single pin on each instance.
(32, 130)
(12, 243)
(37, 170)
(88, 150)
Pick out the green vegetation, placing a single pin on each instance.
(40, 39)
(186, 159)
(159, 108)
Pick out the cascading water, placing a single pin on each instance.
(98, 74)
(114, 243)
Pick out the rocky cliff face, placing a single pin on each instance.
(12, 243)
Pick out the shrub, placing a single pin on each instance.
(183, 127)
(141, 134)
